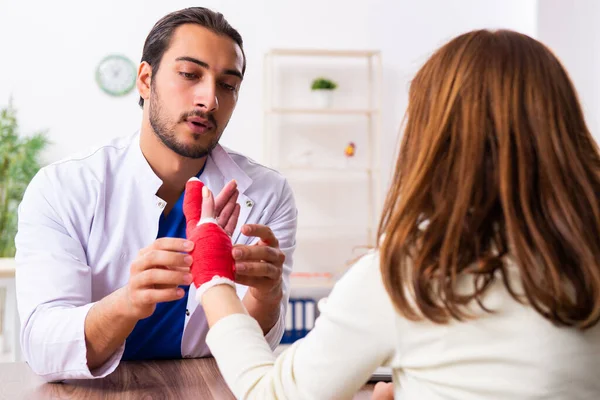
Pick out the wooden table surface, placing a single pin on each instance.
(176, 379)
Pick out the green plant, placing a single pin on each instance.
(18, 164)
(323, 84)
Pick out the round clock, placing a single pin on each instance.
(116, 75)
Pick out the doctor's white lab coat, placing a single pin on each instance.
(82, 222)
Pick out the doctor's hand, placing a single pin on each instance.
(260, 266)
(226, 209)
(155, 276)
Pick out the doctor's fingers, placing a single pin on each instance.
(155, 296)
(258, 270)
(263, 232)
(154, 278)
(161, 259)
(270, 254)
(168, 244)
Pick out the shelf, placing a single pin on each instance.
(345, 170)
(324, 53)
(348, 230)
(328, 185)
(312, 275)
(332, 175)
(358, 239)
(7, 267)
(302, 282)
(323, 111)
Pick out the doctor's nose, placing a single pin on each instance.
(206, 98)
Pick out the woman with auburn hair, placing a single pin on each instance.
(486, 282)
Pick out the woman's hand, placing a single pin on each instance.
(383, 391)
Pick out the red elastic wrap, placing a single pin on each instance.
(212, 249)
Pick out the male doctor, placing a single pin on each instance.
(102, 263)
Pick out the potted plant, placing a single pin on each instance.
(19, 162)
(323, 90)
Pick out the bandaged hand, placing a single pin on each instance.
(212, 263)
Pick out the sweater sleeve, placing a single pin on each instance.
(352, 337)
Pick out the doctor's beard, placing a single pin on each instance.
(165, 130)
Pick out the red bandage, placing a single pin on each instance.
(213, 263)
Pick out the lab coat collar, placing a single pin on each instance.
(222, 165)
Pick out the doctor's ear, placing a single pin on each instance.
(144, 81)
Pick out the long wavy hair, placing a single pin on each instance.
(496, 167)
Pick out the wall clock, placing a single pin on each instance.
(116, 75)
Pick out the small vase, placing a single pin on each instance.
(323, 98)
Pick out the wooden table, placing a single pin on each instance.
(148, 380)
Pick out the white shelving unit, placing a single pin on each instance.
(320, 111)
(330, 177)
(10, 349)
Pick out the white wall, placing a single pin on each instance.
(409, 31)
(50, 51)
(572, 31)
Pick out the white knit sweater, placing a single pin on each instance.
(511, 354)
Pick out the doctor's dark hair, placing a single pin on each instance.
(159, 38)
(497, 183)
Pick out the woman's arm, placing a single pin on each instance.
(353, 336)
(221, 301)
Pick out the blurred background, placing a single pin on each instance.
(339, 147)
